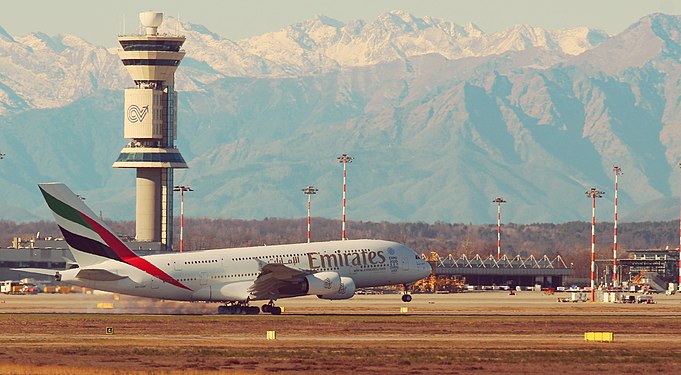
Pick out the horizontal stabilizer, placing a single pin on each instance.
(39, 271)
(96, 274)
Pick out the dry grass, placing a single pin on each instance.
(499, 335)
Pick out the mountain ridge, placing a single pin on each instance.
(436, 138)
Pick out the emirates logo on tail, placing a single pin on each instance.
(135, 114)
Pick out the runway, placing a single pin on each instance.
(472, 332)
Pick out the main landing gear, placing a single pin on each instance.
(238, 309)
(270, 308)
(406, 297)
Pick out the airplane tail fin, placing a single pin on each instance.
(89, 239)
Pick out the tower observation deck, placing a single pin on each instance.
(151, 125)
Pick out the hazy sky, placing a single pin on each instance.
(100, 21)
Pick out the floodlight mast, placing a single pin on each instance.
(499, 201)
(593, 193)
(679, 284)
(344, 159)
(618, 171)
(182, 189)
(309, 190)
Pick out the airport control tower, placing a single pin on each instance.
(151, 124)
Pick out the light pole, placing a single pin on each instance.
(309, 190)
(679, 284)
(618, 171)
(344, 159)
(499, 201)
(593, 193)
(182, 189)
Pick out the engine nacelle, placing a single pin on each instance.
(347, 290)
(230, 292)
(322, 283)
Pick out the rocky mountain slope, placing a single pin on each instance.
(441, 118)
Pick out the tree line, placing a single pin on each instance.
(570, 240)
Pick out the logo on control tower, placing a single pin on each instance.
(135, 114)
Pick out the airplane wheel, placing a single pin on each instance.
(275, 310)
(253, 310)
(265, 308)
(406, 298)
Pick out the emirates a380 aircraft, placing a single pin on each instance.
(331, 270)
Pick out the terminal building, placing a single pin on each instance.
(517, 271)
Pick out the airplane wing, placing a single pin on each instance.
(274, 276)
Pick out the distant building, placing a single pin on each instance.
(663, 262)
(49, 253)
(517, 271)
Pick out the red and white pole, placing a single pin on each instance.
(593, 247)
(593, 193)
(344, 159)
(498, 231)
(309, 190)
(678, 287)
(182, 221)
(499, 201)
(345, 189)
(308, 218)
(618, 171)
(182, 189)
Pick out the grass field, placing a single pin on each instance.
(467, 333)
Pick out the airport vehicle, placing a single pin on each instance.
(17, 287)
(331, 270)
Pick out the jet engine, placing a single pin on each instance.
(322, 283)
(237, 291)
(347, 290)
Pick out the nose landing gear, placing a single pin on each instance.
(406, 297)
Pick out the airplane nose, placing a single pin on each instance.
(428, 270)
(425, 269)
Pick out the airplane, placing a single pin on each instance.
(236, 277)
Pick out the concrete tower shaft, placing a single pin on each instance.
(151, 125)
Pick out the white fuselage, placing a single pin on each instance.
(369, 263)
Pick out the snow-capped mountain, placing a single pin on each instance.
(324, 44)
(41, 71)
(441, 118)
